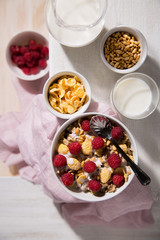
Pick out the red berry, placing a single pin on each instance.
(118, 180)
(28, 56)
(33, 45)
(23, 50)
(14, 57)
(39, 47)
(75, 148)
(85, 125)
(42, 63)
(26, 70)
(32, 42)
(114, 160)
(59, 160)
(45, 51)
(94, 185)
(15, 49)
(97, 143)
(31, 63)
(20, 61)
(89, 167)
(67, 179)
(117, 133)
(35, 54)
(34, 70)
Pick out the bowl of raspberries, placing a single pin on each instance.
(87, 166)
(27, 55)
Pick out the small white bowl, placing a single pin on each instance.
(54, 78)
(135, 95)
(22, 38)
(89, 196)
(138, 35)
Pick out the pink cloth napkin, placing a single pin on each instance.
(25, 140)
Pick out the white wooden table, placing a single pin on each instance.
(25, 211)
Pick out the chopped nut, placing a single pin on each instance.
(120, 46)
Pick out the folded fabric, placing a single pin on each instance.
(26, 141)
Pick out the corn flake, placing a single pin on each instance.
(67, 95)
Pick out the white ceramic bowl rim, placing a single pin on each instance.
(52, 79)
(14, 69)
(138, 35)
(88, 196)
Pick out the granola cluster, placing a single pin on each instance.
(104, 164)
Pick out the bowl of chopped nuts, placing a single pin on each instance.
(123, 49)
(87, 166)
(67, 94)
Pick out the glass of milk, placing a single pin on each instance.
(75, 23)
(135, 95)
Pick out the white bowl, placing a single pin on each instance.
(54, 78)
(138, 35)
(88, 196)
(22, 38)
(128, 103)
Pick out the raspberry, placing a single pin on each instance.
(23, 50)
(118, 180)
(14, 58)
(34, 70)
(39, 47)
(59, 160)
(32, 45)
(28, 56)
(31, 63)
(26, 70)
(45, 51)
(35, 54)
(15, 49)
(89, 167)
(67, 179)
(94, 185)
(32, 42)
(42, 63)
(20, 61)
(117, 133)
(85, 125)
(74, 148)
(97, 143)
(114, 160)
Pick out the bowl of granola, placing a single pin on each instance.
(87, 166)
(123, 49)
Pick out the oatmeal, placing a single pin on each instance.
(87, 163)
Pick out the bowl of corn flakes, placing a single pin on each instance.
(89, 167)
(67, 94)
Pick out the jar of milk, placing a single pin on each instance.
(75, 23)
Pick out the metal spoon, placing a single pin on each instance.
(101, 126)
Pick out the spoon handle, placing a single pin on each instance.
(141, 175)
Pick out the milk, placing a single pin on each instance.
(70, 21)
(78, 12)
(132, 97)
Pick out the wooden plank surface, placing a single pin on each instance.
(15, 16)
